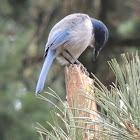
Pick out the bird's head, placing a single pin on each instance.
(100, 33)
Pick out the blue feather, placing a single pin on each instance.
(46, 66)
(58, 39)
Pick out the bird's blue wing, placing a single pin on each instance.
(46, 66)
(58, 39)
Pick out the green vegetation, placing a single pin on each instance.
(120, 109)
(24, 27)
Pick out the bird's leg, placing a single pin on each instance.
(76, 61)
(66, 58)
(84, 70)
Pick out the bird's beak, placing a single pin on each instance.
(95, 54)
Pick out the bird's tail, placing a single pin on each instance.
(46, 66)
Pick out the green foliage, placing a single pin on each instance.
(63, 126)
(119, 117)
(130, 29)
(121, 103)
(24, 28)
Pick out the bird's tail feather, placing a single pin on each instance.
(46, 66)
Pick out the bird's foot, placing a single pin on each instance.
(84, 70)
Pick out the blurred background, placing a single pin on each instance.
(24, 28)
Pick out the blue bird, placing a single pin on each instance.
(69, 38)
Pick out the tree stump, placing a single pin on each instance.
(78, 85)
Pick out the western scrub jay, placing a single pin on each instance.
(69, 38)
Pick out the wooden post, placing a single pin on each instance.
(77, 84)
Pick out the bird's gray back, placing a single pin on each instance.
(79, 28)
(69, 22)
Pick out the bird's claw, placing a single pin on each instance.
(84, 70)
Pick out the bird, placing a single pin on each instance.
(69, 38)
